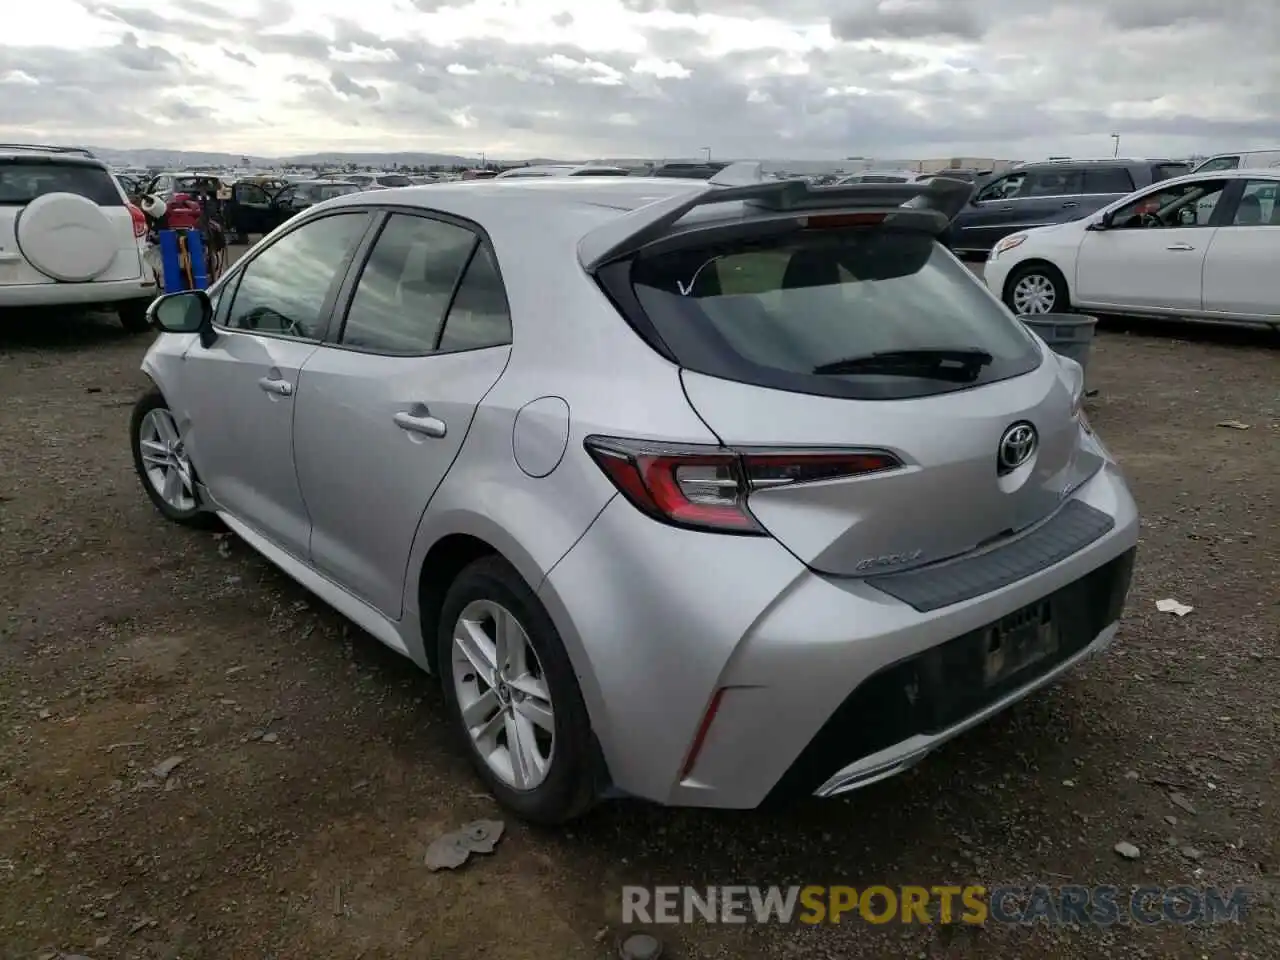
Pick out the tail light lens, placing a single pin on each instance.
(706, 488)
(139, 221)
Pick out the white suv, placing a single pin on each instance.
(69, 236)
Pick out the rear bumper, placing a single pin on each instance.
(78, 294)
(809, 673)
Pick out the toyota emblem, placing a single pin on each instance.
(1016, 447)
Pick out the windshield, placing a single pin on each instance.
(22, 181)
(801, 312)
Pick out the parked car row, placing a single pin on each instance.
(1203, 246)
(1050, 192)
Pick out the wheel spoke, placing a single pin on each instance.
(481, 710)
(172, 487)
(165, 428)
(537, 713)
(522, 747)
(510, 645)
(486, 738)
(470, 639)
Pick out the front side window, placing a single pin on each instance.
(406, 285)
(868, 314)
(284, 288)
(1185, 205)
(1001, 189)
(1258, 207)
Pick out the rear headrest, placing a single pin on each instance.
(811, 268)
(1249, 213)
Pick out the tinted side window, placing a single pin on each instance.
(1108, 180)
(1219, 163)
(479, 316)
(405, 287)
(1053, 183)
(284, 288)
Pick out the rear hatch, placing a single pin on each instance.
(833, 334)
(87, 239)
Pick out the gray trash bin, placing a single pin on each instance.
(1070, 334)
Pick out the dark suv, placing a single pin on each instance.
(1036, 194)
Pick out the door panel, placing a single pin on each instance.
(238, 397)
(370, 457)
(239, 394)
(1240, 275)
(1142, 269)
(1152, 257)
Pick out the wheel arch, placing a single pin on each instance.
(470, 537)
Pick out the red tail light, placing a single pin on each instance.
(139, 221)
(706, 487)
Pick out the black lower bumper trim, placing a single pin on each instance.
(944, 685)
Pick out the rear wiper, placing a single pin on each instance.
(960, 363)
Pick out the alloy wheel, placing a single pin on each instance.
(503, 694)
(165, 461)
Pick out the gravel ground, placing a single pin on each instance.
(316, 766)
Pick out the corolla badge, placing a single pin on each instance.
(1017, 446)
(888, 560)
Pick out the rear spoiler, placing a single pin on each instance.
(927, 206)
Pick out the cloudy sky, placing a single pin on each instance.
(746, 78)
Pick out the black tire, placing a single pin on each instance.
(1061, 297)
(571, 785)
(195, 517)
(133, 315)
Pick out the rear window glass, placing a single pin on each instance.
(23, 181)
(1165, 171)
(775, 312)
(395, 180)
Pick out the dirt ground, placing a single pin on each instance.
(125, 641)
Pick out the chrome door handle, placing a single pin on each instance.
(1180, 246)
(1008, 209)
(1070, 203)
(426, 425)
(281, 388)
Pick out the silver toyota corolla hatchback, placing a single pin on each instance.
(701, 492)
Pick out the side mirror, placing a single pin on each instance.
(188, 311)
(1102, 223)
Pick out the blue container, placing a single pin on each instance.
(182, 261)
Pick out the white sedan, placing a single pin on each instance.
(1204, 246)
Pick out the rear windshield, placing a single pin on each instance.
(325, 191)
(1165, 171)
(395, 180)
(22, 181)
(775, 312)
